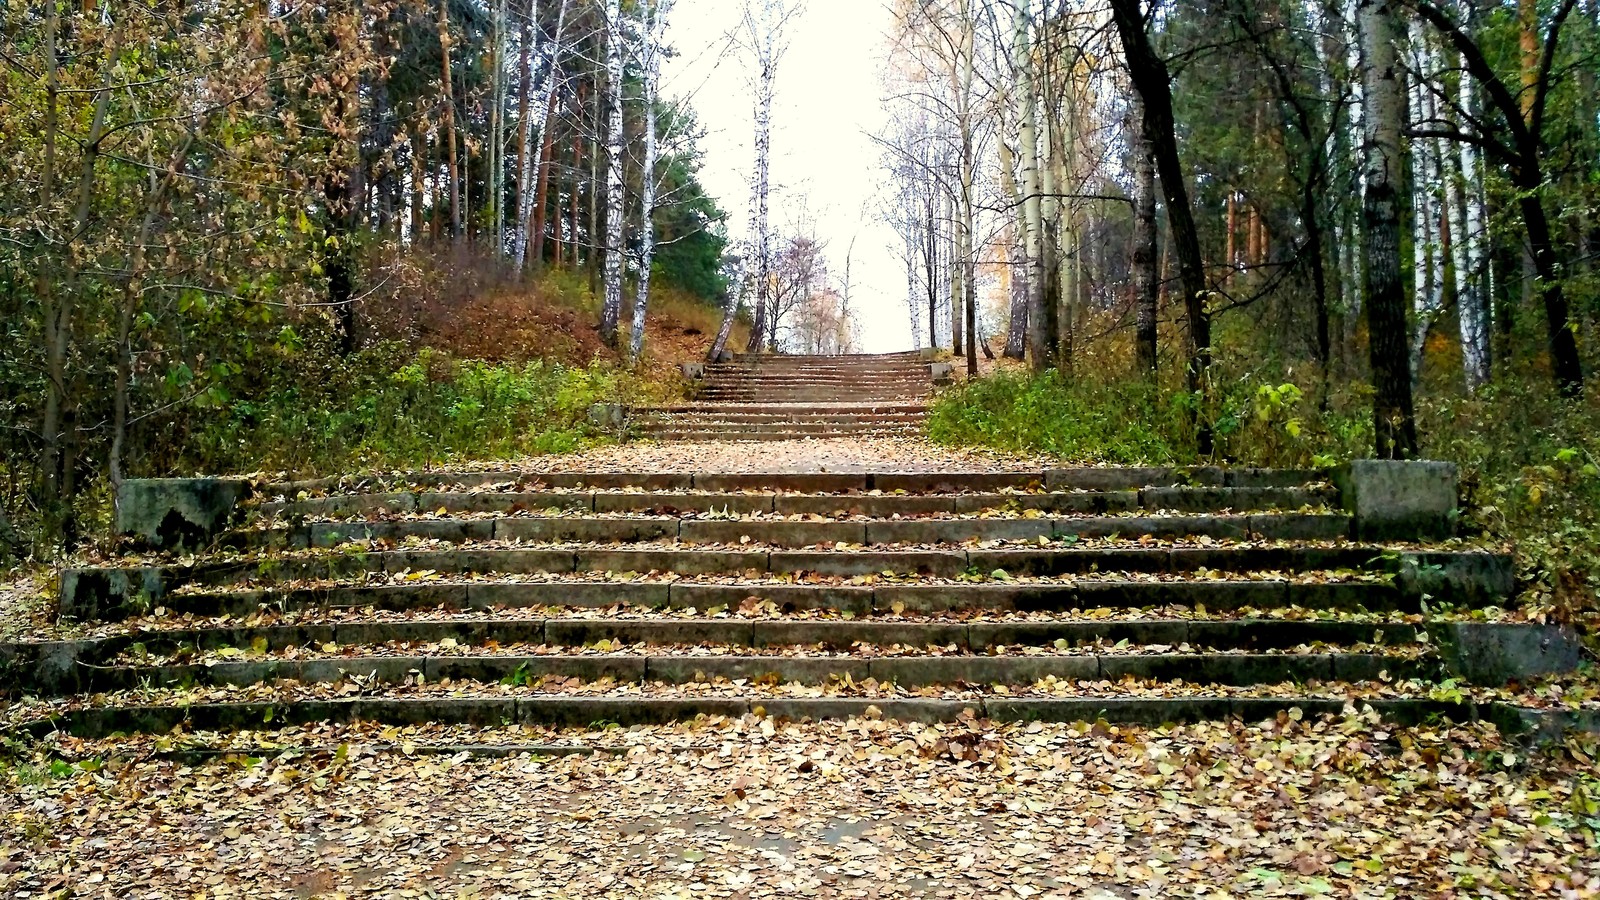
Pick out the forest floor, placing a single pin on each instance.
(866, 808)
(752, 807)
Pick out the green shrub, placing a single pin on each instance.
(1530, 462)
(383, 408)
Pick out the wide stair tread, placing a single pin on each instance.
(772, 397)
(1137, 594)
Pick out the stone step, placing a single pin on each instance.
(475, 628)
(1084, 478)
(735, 433)
(745, 502)
(786, 533)
(771, 380)
(659, 706)
(904, 671)
(798, 429)
(1101, 591)
(789, 409)
(1445, 570)
(720, 415)
(843, 389)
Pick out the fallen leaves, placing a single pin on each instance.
(753, 808)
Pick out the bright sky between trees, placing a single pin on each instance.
(825, 162)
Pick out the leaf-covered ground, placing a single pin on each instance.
(751, 808)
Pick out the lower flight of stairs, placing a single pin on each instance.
(1138, 595)
(773, 397)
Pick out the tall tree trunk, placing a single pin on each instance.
(930, 256)
(419, 154)
(611, 307)
(1050, 237)
(1146, 280)
(531, 192)
(1426, 243)
(519, 250)
(1472, 300)
(730, 311)
(448, 81)
(1041, 315)
(1151, 79)
(1016, 256)
(647, 174)
(955, 295)
(541, 198)
(763, 39)
(495, 180)
(1394, 423)
(592, 239)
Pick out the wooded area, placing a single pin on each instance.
(234, 226)
(220, 213)
(1377, 192)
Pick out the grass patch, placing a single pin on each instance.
(1530, 462)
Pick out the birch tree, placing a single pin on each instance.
(763, 31)
(611, 303)
(527, 185)
(1394, 423)
(655, 12)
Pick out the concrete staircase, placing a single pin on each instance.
(566, 599)
(771, 397)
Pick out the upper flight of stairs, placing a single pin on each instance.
(776, 397)
(1138, 595)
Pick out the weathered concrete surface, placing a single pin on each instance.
(1494, 654)
(610, 416)
(1469, 578)
(92, 594)
(1398, 499)
(179, 513)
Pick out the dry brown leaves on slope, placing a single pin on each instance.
(750, 808)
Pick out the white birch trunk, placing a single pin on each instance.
(1472, 238)
(1355, 137)
(529, 185)
(764, 39)
(1427, 283)
(655, 10)
(1039, 321)
(611, 308)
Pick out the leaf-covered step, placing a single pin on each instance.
(904, 670)
(737, 502)
(1105, 591)
(1084, 478)
(658, 707)
(778, 532)
(773, 631)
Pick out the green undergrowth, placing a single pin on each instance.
(1089, 418)
(1530, 461)
(387, 407)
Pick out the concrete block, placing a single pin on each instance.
(693, 371)
(1493, 653)
(941, 372)
(179, 513)
(107, 594)
(1468, 578)
(610, 416)
(1398, 499)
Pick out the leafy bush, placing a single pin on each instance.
(1119, 420)
(1530, 462)
(385, 407)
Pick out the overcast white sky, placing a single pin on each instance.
(824, 160)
